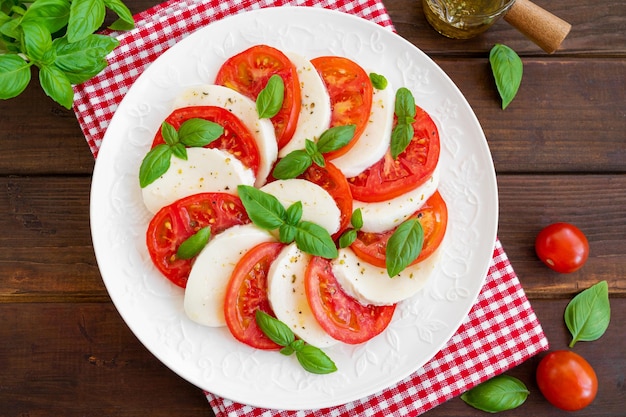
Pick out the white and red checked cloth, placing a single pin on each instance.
(501, 330)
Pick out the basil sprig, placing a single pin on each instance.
(379, 82)
(192, 133)
(404, 246)
(194, 244)
(349, 236)
(57, 36)
(267, 212)
(588, 314)
(507, 70)
(402, 133)
(312, 358)
(296, 162)
(497, 394)
(270, 99)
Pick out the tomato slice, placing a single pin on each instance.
(350, 91)
(433, 216)
(247, 292)
(173, 224)
(340, 315)
(237, 139)
(331, 179)
(389, 178)
(248, 73)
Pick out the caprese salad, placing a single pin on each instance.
(295, 200)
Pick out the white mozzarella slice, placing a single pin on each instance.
(287, 296)
(375, 139)
(211, 271)
(245, 109)
(317, 204)
(315, 112)
(370, 284)
(205, 170)
(381, 216)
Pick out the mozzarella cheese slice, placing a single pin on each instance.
(245, 109)
(205, 170)
(211, 271)
(288, 299)
(317, 204)
(315, 112)
(381, 216)
(375, 139)
(370, 284)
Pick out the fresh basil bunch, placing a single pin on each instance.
(56, 36)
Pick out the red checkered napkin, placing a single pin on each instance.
(501, 330)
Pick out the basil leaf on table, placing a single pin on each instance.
(588, 314)
(125, 21)
(14, 75)
(270, 99)
(53, 14)
(497, 394)
(194, 244)
(507, 70)
(86, 17)
(56, 85)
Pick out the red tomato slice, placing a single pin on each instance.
(332, 180)
(237, 139)
(247, 292)
(248, 73)
(173, 224)
(433, 216)
(389, 178)
(340, 315)
(350, 91)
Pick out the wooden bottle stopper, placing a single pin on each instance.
(538, 25)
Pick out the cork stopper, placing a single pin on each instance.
(537, 24)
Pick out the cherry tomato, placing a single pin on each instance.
(340, 315)
(433, 216)
(389, 178)
(567, 380)
(350, 91)
(248, 73)
(247, 292)
(237, 139)
(173, 224)
(563, 247)
(331, 179)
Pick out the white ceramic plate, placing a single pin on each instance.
(211, 358)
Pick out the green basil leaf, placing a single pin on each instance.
(273, 328)
(194, 244)
(263, 209)
(404, 246)
(318, 159)
(37, 41)
(154, 164)
(125, 21)
(287, 350)
(588, 315)
(314, 239)
(507, 69)
(169, 133)
(500, 393)
(270, 99)
(198, 132)
(401, 136)
(84, 59)
(56, 85)
(335, 138)
(11, 29)
(379, 82)
(347, 238)
(52, 14)
(179, 151)
(310, 147)
(357, 219)
(287, 233)
(294, 213)
(86, 17)
(14, 75)
(292, 165)
(314, 360)
(404, 104)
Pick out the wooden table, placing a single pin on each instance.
(559, 152)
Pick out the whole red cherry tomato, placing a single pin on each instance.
(562, 246)
(567, 380)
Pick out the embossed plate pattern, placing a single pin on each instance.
(211, 358)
